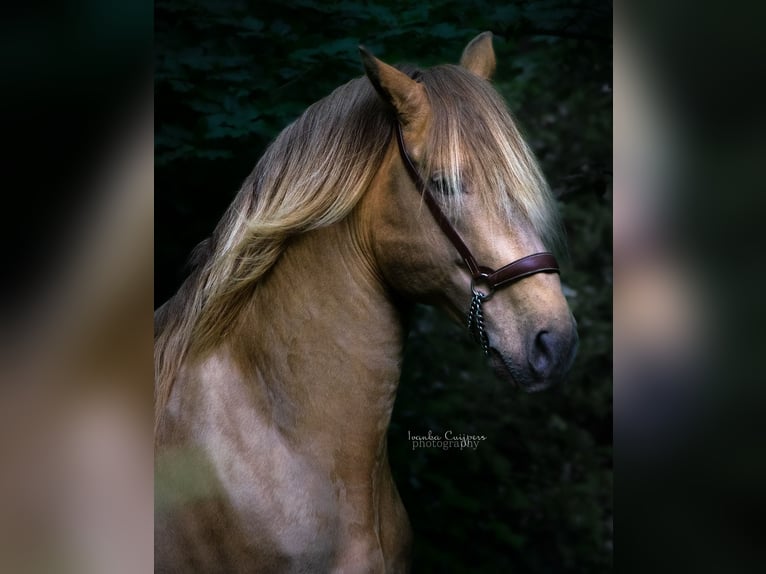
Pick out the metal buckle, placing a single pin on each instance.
(478, 291)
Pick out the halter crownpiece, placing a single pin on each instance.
(481, 277)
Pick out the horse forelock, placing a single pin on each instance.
(475, 141)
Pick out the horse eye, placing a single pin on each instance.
(441, 185)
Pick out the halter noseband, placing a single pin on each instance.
(480, 275)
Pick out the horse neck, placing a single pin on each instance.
(321, 345)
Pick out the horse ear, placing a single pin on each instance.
(407, 96)
(479, 57)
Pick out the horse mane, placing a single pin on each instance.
(295, 188)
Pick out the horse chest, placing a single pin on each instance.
(310, 522)
(292, 514)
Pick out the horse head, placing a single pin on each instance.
(466, 152)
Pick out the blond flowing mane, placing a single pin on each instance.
(316, 171)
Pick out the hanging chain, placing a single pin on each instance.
(476, 321)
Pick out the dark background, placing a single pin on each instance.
(536, 496)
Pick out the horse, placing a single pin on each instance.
(277, 361)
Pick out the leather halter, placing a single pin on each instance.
(543, 262)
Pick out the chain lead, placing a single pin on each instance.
(476, 322)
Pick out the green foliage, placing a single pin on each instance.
(536, 496)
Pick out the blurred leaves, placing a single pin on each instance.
(536, 496)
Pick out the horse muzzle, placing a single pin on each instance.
(549, 357)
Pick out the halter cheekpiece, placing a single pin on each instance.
(484, 280)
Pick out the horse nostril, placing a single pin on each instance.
(541, 356)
